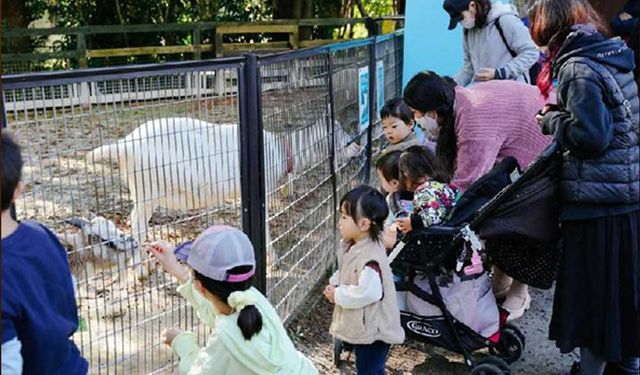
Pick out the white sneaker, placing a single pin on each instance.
(516, 305)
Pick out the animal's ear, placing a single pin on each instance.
(78, 222)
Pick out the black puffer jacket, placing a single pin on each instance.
(597, 124)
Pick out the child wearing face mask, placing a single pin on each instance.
(398, 126)
(497, 44)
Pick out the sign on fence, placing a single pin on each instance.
(380, 86)
(363, 97)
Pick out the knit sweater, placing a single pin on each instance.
(494, 120)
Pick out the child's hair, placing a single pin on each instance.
(11, 169)
(389, 165)
(250, 319)
(417, 162)
(397, 108)
(366, 202)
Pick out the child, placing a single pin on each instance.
(388, 169)
(39, 311)
(247, 335)
(398, 125)
(366, 313)
(433, 197)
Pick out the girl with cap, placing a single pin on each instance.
(247, 335)
(497, 44)
(479, 127)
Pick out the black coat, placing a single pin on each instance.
(597, 124)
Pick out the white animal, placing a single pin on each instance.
(98, 244)
(184, 163)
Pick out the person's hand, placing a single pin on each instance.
(353, 150)
(330, 293)
(624, 16)
(485, 74)
(169, 334)
(404, 224)
(162, 251)
(543, 111)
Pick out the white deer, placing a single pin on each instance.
(184, 163)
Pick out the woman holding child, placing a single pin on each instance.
(478, 127)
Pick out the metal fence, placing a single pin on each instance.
(266, 143)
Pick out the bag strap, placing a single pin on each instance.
(504, 40)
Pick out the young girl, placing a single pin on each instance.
(388, 169)
(247, 335)
(366, 312)
(433, 195)
(398, 125)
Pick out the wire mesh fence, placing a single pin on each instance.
(119, 156)
(107, 176)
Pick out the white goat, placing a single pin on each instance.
(184, 163)
(98, 244)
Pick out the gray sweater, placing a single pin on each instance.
(484, 48)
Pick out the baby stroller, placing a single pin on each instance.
(506, 218)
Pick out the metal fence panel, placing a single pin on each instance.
(129, 166)
(299, 177)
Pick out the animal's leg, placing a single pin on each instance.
(139, 227)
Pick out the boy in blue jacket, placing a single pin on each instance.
(39, 312)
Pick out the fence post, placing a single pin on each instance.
(81, 48)
(252, 177)
(372, 110)
(197, 54)
(332, 146)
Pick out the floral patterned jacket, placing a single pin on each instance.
(432, 201)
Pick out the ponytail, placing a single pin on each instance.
(250, 322)
(236, 295)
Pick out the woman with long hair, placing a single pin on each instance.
(597, 300)
(479, 127)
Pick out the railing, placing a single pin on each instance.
(207, 39)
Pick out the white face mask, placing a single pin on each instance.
(429, 125)
(468, 22)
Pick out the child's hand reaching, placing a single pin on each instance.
(404, 224)
(329, 293)
(163, 252)
(169, 334)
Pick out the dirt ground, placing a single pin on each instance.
(310, 333)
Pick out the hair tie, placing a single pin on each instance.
(241, 299)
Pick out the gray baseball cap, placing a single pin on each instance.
(217, 250)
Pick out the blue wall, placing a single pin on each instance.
(427, 42)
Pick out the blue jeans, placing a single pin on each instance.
(370, 359)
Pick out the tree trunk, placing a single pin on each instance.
(14, 13)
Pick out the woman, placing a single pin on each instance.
(597, 300)
(479, 127)
(497, 44)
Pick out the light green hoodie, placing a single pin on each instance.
(227, 352)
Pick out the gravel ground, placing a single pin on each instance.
(310, 332)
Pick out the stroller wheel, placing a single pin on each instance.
(511, 344)
(491, 366)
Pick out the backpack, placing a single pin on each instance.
(534, 70)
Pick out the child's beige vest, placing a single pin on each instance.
(377, 321)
